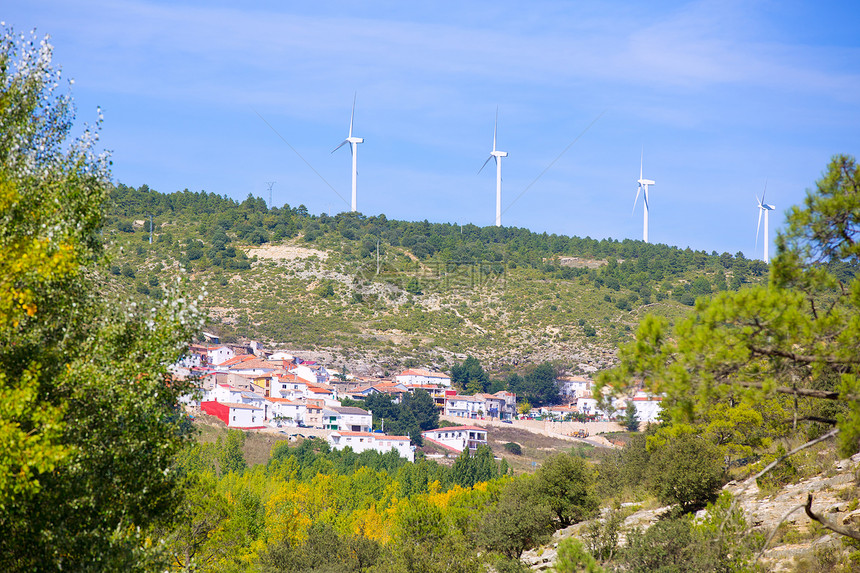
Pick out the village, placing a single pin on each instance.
(250, 388)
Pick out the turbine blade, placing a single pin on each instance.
(485, 163)
(641, 159)
(495, 128)
(342, 143)
(637, 198)
(765, 192)
(352, 115)
(645, 197)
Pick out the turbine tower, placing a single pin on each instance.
(497, 155)
(763, 208)
(353, 143)
(643, 186)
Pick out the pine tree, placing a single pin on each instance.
(631, 417)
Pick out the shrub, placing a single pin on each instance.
(690, 471)
(513, 448)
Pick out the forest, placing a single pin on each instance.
(220, 220)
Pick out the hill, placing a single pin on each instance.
(374, 294)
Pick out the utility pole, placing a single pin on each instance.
(377, 257)
(150, 229)
(270, 185)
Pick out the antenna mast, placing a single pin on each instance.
(270, 184)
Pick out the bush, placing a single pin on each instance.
(513, 448)
(690, 471)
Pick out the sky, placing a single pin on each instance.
(722, 99)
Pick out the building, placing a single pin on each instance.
(363, 441)
(346, 418)
(457, 438)
(464, 406)
(219, 354)
(574, 386)
(438, 393)
(494, 406)
(416, 376)
(647, 407)
(283, 412)
(235, 415)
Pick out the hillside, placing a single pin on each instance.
(374, 294)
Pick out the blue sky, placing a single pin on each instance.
(723, 96)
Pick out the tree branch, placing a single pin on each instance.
(826, 523)
(809, 444)
(812, 419)
(773, 464)
(775, 528)
(807, 392)
(802, 358)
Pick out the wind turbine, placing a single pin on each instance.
(643, 185)
(497, 155)
(353, 142)
(763, 208)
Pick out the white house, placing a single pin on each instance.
(415, 376)
(647, 407)
(464, 406)
(312, 372)
(319, 392)
(220, 354)
(494, 406)
(346, 418)
(588, 406)
(284, 412)
(457, 438)
(363, 441)
(574, 386)
(226, 393)
(288, 386)
(236, 415)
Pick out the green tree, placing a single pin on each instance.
(421, 404)
(539, 385)
(230, 454)
(689, 469)
(89, 422)
(631, 417)
(470, 376)
(565, 484)
(797, 337)
(573, 558)
(517, 522)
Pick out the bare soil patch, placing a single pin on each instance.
(285, 252)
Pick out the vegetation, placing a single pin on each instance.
(89, 424)
(416, 413)
(507, 297)
(769, 361)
